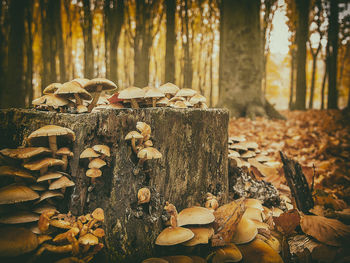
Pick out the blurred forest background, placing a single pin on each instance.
(304, 57)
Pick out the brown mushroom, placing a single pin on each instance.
(174, 235)
(133, 94)
(74, 90)
(143, 195)
(169, 89)
(12, 194)
(97, 163)
(102, 149)
(133, 136)
(154, 94)
(96, 86)
(65, 153)
(195, 215)
(43, 164)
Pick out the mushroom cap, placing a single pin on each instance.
(133, 134)
(46, 162)
(149, 153)
(51, 88)
(64, 151)
(238, 147)
(14, 171)
(232, 153)
(49, 194)
(98, 232)
(89, 153)
(246, 231)
(154, 93)
(143, 127)
(68, 90)
(155, 260)
(52, 100)
(236, 139)
(63, 182)
(60, 223)
(253, 213)
(250, 145)
(148, 143)
(143, 195)
(169, 88)
(97, 163)
(106, 84)
(93, 173)
(19, 217)
(115, 106)
(254, 203)
(37, 187)
(15, 241)
(131, 93)
(259, 251)
(248, 154)
(49, 176)
(163, 101)
(81, 81)
(179, 105)
(102, 149)
(178, 259)
(201, 236)
(82, 108)
(16, 193)
(186, 93)
(174, 235)
(24, 153)
(51, 130)
(195, 215)
(228, 253)
(260, 225)
(98, 214)
(271, 241)
(44, 207)
(276, 211)
(88, 239)
(197, 98)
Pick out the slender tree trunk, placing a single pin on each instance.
(114, 18)
(186, 46)
(325, 75)
(68, 41)
(29, 52)
(342, 64)
(333, 30)
(170, 41)
(312, 87)
(15, 88)
(59, 41)
(88, 44)
(211, 98)
(3, 55)
(301, 39)
(292, 80)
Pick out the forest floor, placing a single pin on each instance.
(320, 141)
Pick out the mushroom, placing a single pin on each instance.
(259, 251)
(73, 90)
(12, 194)
(51, 131)
(148, 153)
(253, 203)
(93, 173)
(246, 231)
(52, 101)
(64, 152)
(133, 94)
(169, 89)
(97, 163)
(155, 260)
(179, 105)
(19, 217)
(15, 172)
(148, 143)
(96, 86)
(212, 204)
(89, 153)
(145, 130)
(50, 89)
(61, 183)
(133, 136)
(154, 94)
(102, 149)
(43, 164)
(201, 236)
(195, 215)
(143, 195)
(24, 153)
(49, 176)
(187, 93)
(197, 99)
(174, 235)
(49, 194)
(178, 259)
(163, 102)
(253, 213)
(228, 253)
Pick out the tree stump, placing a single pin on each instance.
(194, 147)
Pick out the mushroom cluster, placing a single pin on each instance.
(167, 94)
(79, 95)
(97, 159)
(81, 236)
(141, 143)
(242, 229)
(32, 178)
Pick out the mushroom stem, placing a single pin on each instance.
(134, 104)
(53, 145)
(141, 161)
(65, 160)
(95, 99)
(78, 100)
(154, 101)
(133, 145)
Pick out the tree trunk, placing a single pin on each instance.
(333, 30)
(88, 44)
(292, 81)
(180, 176)
(241, 58)
(29, 51)
(302, 33)
(68, 41)
(170, 41)
(3, 54)
(15, 86)
(59, 41)
(325, 75)
(186, 46)
(114, 18)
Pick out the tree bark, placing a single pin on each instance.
(325, 75)
(88, 44)
(15, 86)
(186, 46)
(292, 81)
(30, 56)
(3, 53)
(59, 41)
(314, 66)
(180, 176)
(301, 39)
(333, 30)
(170, 41)
(241, 59)
(113, 22)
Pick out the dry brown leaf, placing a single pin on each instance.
(328, 231)
(287, 222)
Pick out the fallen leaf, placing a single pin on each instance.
(287, 221)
